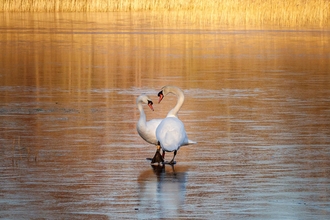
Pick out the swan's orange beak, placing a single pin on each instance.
(161, 96)
(150, 105)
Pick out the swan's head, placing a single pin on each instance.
(169, 89)
(150, 103)
(145, 99)
(161, 96)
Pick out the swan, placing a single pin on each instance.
(171, 133)
(147, 129)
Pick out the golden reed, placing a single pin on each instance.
(253, 12)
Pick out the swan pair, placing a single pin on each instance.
(168, 133)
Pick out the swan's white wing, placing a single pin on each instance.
(171, 134)
(151, 128)
(153, 124)
(149, 132)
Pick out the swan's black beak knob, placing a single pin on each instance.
(161, 96)
(150, 103)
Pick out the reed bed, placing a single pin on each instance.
(280, 12)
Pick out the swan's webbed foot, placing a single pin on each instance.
(172, 162)
(157, 157)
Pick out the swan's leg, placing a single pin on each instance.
(157, 157)
(158, 148)
(172, 161)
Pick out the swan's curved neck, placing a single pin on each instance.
(178, 92)
(142, 118)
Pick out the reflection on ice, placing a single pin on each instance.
(162, 191)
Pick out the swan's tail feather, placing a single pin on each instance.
(191, 142)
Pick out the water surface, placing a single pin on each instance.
(257, 102)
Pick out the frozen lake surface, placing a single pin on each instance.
(257, 102)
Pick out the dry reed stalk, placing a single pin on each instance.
(232, 12)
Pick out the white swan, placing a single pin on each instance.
(171, 133)
(147, 129)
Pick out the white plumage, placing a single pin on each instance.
(146, 129)
(171, 132)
